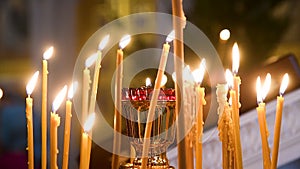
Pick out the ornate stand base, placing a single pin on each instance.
(156, 162)
(130, 166)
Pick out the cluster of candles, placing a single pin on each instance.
(88, 110)
(228, 110)
(229, 126)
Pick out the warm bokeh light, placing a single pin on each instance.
(32, 82)
(163, 80)
(284, 84)
(59, 98)
(48, 53)
(1, 93)
(88, 125)
(198, 74)
(171, 36)
(103, 42)
(148, 82)
(235, 58)
(224, 34)
(91, 60)
(229, 78)
(72, 90)
(124, 41)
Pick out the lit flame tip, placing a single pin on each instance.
(229, 78)
(198, 74)
(124, 41)
(266, 86)
(48, 53)
(284, 84)
(235, 58)
(32, 82)
(103, 42)
(258, 90)
(91, 60)
(88, 125)
(171, 36)
(59, 99)
(1, 93)
(72, 89)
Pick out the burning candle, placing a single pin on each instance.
(278, 117)
(86, 80)
(200, 94)
(101, 46)
(235, 119)
(118, 96)
(71, 91)
(54, 123)
(235, 68)
(84, 148)
(29, 101)
(47, 55)
(153, 101)
(261, 112)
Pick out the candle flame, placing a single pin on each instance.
(1, 93)
(148, 82)
(198, 74)
(124, 41)
(235, 58)
(48, 53)
(266, 86)
(187, 74)
(171, 36)
(89, 122)
(59, 99)
(103, 42)
(284, 83)
(72, 90)
(229, 78)
(163, 80)
(258, 90)
(32, 82)
(91, 60)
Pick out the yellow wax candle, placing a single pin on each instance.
(237, 139)
(102, 44)
(29, 101)
(83, 150)
(235, 120)
(85, 93)
(261, 112)
(68, 125)
(278, 117)
(47, 55)
(118, 96)
(153, 102)
(54, 124)
(201, 102)
(85, 145)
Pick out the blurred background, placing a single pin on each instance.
(266, 31)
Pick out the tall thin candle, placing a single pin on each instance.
(47, 55)
(200, 94)
(54, 124)
(261, 112)
(84, 148)
(29, 101)
(118, 96)
(153, 102)
(235, 119)
(278, 117)
(68, 117)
